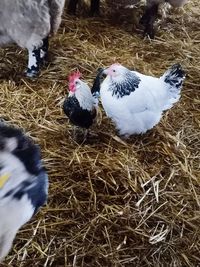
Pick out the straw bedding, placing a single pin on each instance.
(111, 202)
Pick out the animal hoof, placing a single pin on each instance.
(151, 35)
(149, 32)
(31, 73)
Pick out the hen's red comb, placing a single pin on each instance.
(74, 75)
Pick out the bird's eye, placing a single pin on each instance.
(76, 82)
(114, 70)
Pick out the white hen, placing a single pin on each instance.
(135, 102)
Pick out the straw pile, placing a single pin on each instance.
(111, 202)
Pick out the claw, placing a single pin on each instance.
(31, 73)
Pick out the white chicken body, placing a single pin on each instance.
(141, 109)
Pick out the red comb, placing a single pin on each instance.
(74, 75)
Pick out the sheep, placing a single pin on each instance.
(23, 184)
(28, 23)
(117, 5)
(148, 18)
(151, 13)
(122, 6)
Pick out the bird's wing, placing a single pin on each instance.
(69, 104)
(97, 83)
(147, 95)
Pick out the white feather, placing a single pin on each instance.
(84, 96)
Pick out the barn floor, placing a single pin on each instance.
(111, 202)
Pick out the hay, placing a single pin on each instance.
(111, 202)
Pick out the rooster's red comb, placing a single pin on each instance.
(74, 75)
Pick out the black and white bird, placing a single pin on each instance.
(80, 106)
(135, 102)
(23, 183)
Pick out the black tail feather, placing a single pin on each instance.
(174, 76)
(97, 82)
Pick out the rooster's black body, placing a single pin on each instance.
(77, 115)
